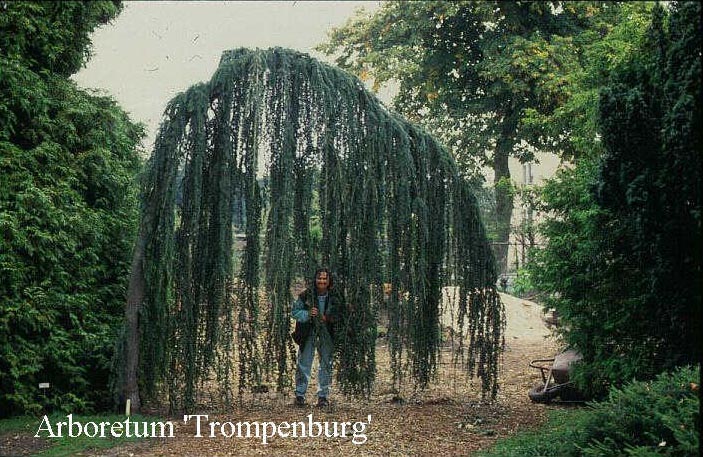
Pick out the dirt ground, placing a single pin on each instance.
(448, 418)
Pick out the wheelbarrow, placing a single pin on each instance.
(555, 379)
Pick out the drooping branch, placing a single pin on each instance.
(281, 142)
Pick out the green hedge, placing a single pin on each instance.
(68, 218)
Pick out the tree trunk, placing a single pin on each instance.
(503, 190)
(135, 297)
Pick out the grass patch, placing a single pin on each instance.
(16, 424)
(26, 427)
(557, 437)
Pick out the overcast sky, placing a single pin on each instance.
(153, 50)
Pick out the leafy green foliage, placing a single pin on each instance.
(392, 208)
(476, 75)
(67, 214)
(523, 286)
(462, 67)
(622, 264)
(572, 271)
(659, 417)
(52, 36)
(650, 185)
(570, 126)
(67, 217)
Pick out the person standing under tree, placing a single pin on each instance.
(316, 311)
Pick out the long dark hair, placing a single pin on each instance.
(329, 278)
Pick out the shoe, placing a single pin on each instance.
(322, 402)
(300, 401)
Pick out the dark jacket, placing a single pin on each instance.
(301, 313)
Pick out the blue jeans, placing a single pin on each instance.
(305, 356)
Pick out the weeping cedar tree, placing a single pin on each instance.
(392, 208)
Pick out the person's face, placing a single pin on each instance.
(322, 281)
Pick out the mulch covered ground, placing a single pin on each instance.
(449, 418)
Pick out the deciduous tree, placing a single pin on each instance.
(473, 73)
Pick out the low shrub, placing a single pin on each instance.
(658, 417)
